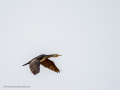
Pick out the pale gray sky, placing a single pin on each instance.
(85, 32)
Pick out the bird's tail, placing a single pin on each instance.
(27, 63)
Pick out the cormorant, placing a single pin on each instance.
(42, 59)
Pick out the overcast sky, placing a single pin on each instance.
(85, 32)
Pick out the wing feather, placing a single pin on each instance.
(35, 66)
(50, 65)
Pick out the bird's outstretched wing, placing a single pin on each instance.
(35, 66)
(50, 64)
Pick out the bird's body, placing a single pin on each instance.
(42, 59)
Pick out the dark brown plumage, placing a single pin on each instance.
(34, 64)
(50, 65)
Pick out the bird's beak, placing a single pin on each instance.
(59, 55)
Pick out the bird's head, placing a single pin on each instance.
(51, 55)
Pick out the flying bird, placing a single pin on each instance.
(42, 59)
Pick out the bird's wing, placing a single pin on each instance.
(50, 64)
(35, 66)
